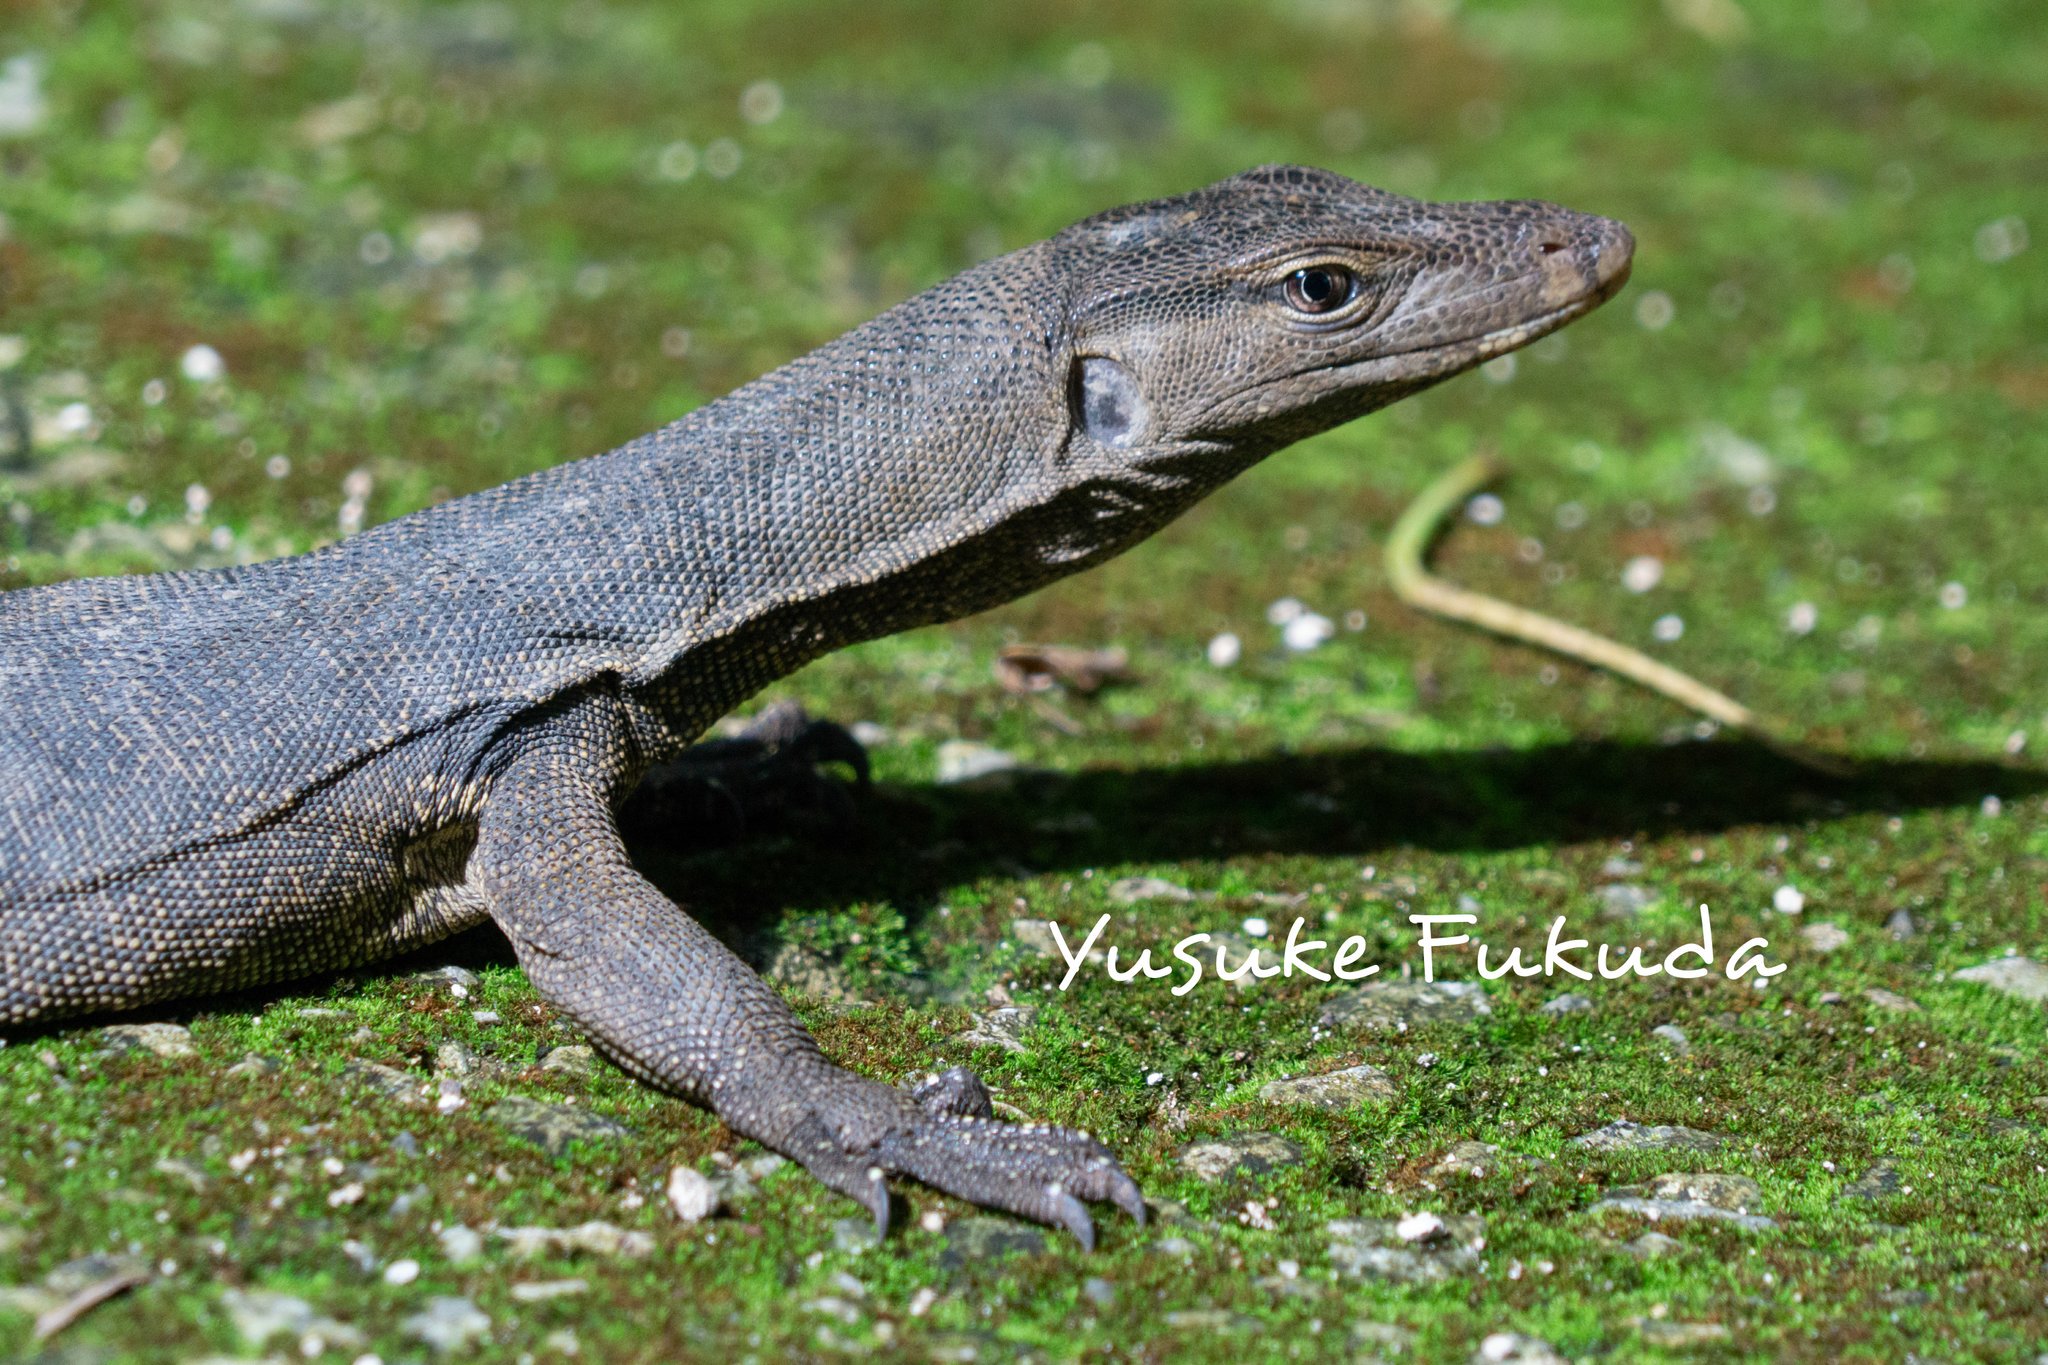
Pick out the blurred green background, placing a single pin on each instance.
(274, 270)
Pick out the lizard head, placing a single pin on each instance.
(1288, 300)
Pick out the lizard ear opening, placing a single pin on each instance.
(1106, 401)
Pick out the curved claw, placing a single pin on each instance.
(878, 1202)
(854, 1134)
(1124, 1193)
(1071, 1214)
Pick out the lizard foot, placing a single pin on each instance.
(766, 777)
(853, 1133)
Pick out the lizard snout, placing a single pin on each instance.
(1583, 257)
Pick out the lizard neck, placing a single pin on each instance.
(918, 469)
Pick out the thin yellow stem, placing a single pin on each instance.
(1414, 584)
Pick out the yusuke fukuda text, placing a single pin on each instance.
(1560, 954)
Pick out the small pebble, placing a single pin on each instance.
(1307, 631)
(203, 365)
(1417, 1226)
(691, 1194)
(1642, 573)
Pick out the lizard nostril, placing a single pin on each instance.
(1551, 248)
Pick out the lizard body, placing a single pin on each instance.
(214, 779)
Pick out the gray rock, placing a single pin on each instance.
(450, 975)
(405, 1144)
(1651, 1245)
(1036, 936)
(760, 1166)
(983, 1237)
(1569, 1003)
(871, 734)
(156, 1040)
(1900, 925)
(1237, 950)
(1349, 1088)
(692, 1194)
(1824, 938)
(964, 762)
(258, 1315)
(447, 1323)
(2015, 976)
(1373, 1249)
(388, 1081)
(1382, 1338)
(1624, 1136)
(1623, 900)
(1679, 1335)
(179, 1169)
(1171, 1213)
(1890, 1000)
(540, 1291)
(1173, 1246)
(553, 1127)
(1004, 1028)
(1402, 1005)
(1210, 1321)
(1720, 1198)
(1238, 1154)
(1476, 1160)
(461, 1243)
(1098, 1291)
(456, 1058)
(831, 1305)
(1132, 890)
(255, 1064)
(851, 1236)
(86, 1271)
(1674, 1038)
(1513, 1348)
(571, 1059)
(593, 1238)
(1875, 1183)
(808, 973)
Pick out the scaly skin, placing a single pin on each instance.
(209, 780)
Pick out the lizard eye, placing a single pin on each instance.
(1319, 288)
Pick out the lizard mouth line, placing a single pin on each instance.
(1488, 345)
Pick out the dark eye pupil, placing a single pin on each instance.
(1318, 289)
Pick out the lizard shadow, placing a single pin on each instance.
(915, 844)
(912, 845)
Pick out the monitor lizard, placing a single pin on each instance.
(213, 779)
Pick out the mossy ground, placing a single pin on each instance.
(437, 246)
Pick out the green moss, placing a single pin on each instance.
(1842, 411)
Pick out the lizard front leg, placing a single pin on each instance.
(675, 1007)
